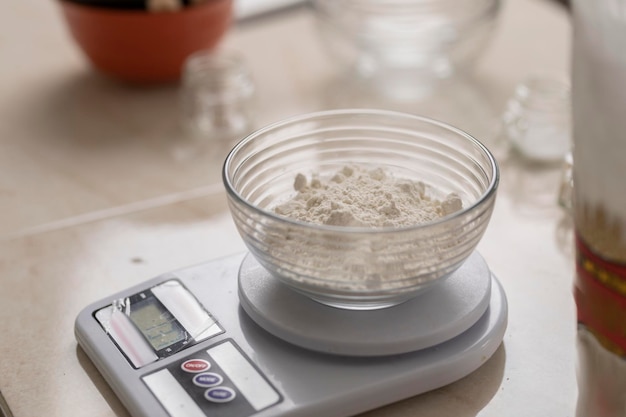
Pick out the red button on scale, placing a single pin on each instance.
(195, 365)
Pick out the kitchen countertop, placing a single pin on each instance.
(100, 190)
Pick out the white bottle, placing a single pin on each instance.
(599, 120)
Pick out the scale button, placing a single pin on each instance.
(220, 394)
(195, 366)
(208, 379)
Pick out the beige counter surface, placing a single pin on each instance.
(100, 190)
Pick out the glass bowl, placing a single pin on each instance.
(359, 267)
(409, 39)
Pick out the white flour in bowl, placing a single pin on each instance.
(360, 197)
(326, 262)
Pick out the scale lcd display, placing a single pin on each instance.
(157, 324)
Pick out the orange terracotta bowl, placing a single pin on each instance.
(144, 47)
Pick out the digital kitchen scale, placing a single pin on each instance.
(227, 339)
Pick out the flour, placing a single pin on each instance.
(359, 197)
(339, 264)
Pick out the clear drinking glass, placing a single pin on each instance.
(217, 96)
(537, 119)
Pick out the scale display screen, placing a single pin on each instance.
(156, 323)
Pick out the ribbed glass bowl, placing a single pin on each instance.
(409, 38)
(359, 267)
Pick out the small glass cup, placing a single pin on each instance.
(537, 119)
(217, 96)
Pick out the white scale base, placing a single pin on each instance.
(441, 313)
(310, 359)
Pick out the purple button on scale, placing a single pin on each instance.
(207, 379)
(220, 394)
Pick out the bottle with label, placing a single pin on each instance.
(599, 120)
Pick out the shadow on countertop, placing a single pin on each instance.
(102, 386)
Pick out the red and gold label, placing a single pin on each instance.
(600, 295)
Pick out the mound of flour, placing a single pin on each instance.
(360, 197)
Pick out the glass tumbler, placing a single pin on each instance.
(537, 119)
(217, 97)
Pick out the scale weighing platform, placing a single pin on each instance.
(227, 339)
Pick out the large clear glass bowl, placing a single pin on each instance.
(407, 39)
(359, 267)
